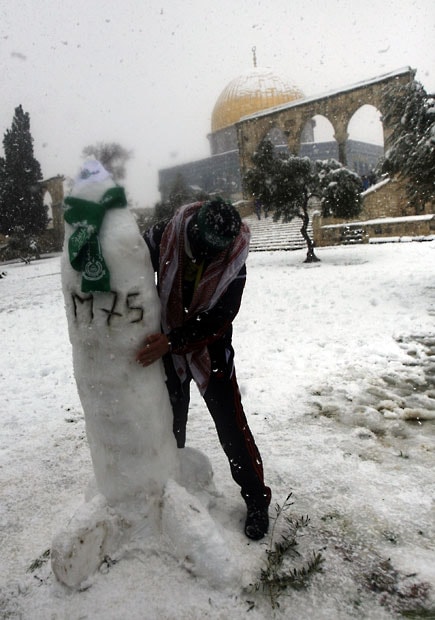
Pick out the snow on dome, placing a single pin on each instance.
(251, 92)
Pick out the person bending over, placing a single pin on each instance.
(199, 256)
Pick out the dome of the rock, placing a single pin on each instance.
(249, 93)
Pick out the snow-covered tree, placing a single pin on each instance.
(410, 112)
(339, 189)
(112, 155)
(179, 194)
(284, 184)
(22, 208)
(260, 180)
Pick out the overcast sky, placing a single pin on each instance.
(146, 73)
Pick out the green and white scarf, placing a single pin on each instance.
(84, 245)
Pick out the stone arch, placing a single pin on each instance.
(48, 203)
(322, 144)
(338, 107)
(308, 129)
(323, 128)
(273, 132)
(54, 187)
(277, 136)
(300, 129)
(365, 128)
(369, 115)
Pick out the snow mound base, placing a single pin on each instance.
(195, 538)
(94, 533)
(98, 532)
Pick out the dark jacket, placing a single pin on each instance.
(204, 328)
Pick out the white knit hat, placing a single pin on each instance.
(92, 171)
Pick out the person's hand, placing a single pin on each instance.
(156, 345)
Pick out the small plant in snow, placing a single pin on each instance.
(40, 561)
(278, 575)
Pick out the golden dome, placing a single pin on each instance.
(249, 93)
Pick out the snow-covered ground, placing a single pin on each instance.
(336, 362)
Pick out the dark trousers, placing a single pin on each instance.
(223, 401)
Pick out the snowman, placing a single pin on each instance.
(143, 486)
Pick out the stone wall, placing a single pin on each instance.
(377, 229)
(386, 212)
(386, 199)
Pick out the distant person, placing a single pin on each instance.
(199, 256)
(258, 207)
(372, 178)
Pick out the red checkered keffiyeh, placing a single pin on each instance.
(223, 269)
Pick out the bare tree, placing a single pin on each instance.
(112, 155)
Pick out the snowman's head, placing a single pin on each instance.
(92, 181)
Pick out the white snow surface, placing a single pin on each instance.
(336, 363)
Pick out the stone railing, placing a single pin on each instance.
(375, 230)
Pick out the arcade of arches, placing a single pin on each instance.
(291, 119)
(389, 200)
(260, 104)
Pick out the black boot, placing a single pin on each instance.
(257, 521)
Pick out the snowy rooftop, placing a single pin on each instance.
(286, 106)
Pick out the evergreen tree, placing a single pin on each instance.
(22, 209)
(410, 112)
